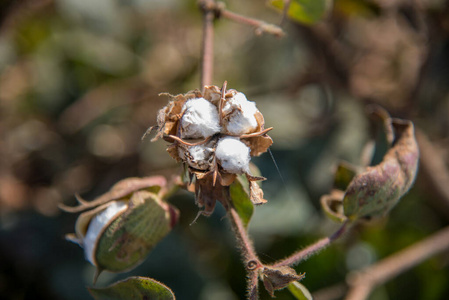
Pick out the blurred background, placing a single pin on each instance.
(79, 85)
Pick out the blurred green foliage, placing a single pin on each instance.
(78, 88)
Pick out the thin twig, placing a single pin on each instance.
(313, 249)
(261, 26)
(364, 281)
(219, 10)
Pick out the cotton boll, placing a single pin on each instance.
(240, 115)
(198, 157)
(200, 119)
(96, 226)
(233, 155)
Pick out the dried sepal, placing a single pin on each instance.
(277, 278)
(256, 192)
(258, 141)
(120, 190)
(332, 205)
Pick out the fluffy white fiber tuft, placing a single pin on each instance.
(197, 157)
(96, 226)
(242, 115)
(200, 119)
(233, 155)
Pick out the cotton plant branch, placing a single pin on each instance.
(313, 249)
(220, 11)
(207, 54)
(364, 281)
(281, 270)
(251, 261)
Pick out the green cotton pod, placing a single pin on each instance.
(374, 192)
(118, 235)
(130, 236)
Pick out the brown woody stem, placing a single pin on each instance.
(313, 249)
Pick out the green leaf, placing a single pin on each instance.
(239, 192)
(304, 11)
(133, 288)
(299, 291)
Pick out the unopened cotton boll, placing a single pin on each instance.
(200, 119)
(96, 226)
(241, 115)
(233, 155)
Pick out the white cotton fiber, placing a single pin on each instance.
(200, 119)
(233, 155)
(241, 113)
(96, 227)
(197, 157)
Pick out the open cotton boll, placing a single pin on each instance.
(233, 155)
(96, 226)
(240, 115)
(197, 157)
(200, 119)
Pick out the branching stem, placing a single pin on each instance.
(313, 249)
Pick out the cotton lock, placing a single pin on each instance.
(199, 119)
(233, 155)
(198, 157)
(96, 226)
(240, 115)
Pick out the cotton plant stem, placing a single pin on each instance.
(207, 49)
(252, 262)
(253, 285)
(246, 246)
(313, 249)
(364, 281)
